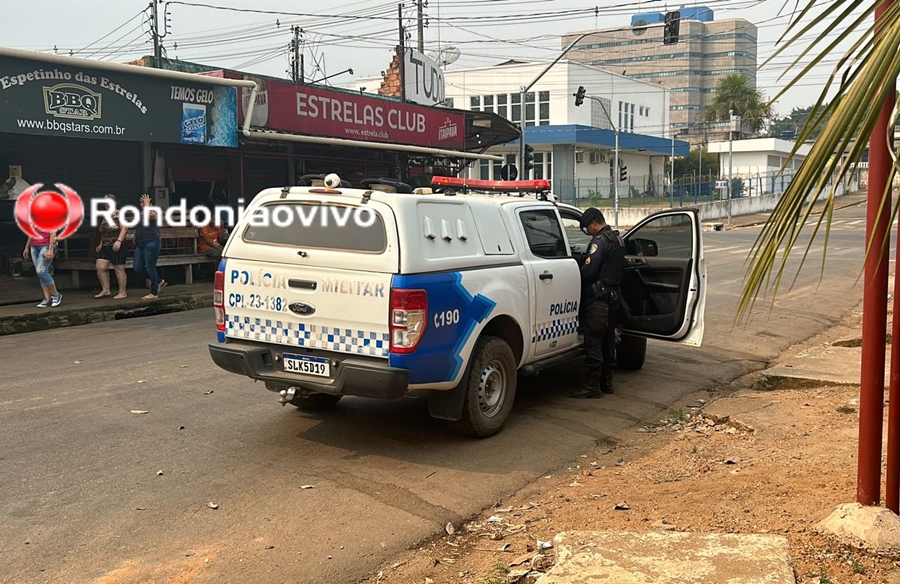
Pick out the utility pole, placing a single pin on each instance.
(421, 28)
(295, 47)
(154, 26)
(402, 53)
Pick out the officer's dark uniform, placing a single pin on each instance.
(601, 276)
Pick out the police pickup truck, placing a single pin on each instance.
(389, 290)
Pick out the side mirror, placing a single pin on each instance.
(643, 247)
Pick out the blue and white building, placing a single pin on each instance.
(573, 145)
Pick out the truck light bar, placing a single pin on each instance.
(491, 185)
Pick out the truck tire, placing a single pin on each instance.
(630, 353)
(314, 402)
(490, 388)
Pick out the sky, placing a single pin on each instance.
(254, 35)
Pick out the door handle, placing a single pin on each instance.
(637, 261)
(546, 276)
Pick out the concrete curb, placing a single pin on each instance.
(55, 318)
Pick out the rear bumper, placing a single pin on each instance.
(351, 376)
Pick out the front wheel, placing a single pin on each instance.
(490, 388)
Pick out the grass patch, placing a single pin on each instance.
(846, 410)
(496, 575)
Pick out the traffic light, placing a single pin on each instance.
(529, 160)
(579, 95)
(670, 30)
(623, 171)
(509, 172)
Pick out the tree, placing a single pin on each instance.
(690, 164)
(734, 93)
(793, 123)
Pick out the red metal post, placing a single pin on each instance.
(892, 487)
(871, 394)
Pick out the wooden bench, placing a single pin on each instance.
(178, 254)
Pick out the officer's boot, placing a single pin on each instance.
(591, 387)
(606, 380)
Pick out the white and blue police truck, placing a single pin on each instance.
(326, 291)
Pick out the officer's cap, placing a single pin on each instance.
(590, 215)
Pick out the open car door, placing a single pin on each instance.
(664, 285)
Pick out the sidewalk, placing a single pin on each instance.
(80, 307)
(734, 485)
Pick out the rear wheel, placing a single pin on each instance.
(312, 402)
(631, 352)
(490, 388)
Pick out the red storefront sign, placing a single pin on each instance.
(334, 114)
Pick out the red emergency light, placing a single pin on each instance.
(491, 185)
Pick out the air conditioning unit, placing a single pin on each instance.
(579, 156)
(596, 157)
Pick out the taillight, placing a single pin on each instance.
(409, 310)
(219, 300)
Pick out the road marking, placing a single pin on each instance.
(720, 249)
(857, 222)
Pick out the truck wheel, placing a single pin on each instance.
(490, 388)
(312, 402)
(631, 352)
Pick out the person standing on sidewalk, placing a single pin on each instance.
(147, 245)
(42, 250)
(112, 251)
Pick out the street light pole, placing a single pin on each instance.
(524, 89)
(672, 173)
(615, 177)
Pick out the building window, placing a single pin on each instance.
(485, 170)
(448, 102)
(475, 102)
(488, 103)
(632, 117)
(538, 165)
(529, 108)
(544, 108)
(516, 109)
(501, 105)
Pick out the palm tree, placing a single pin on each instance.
(735, 94)
(846, 122)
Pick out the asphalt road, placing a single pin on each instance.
(91, 492)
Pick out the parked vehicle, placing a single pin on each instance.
(455, 292)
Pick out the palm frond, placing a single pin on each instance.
(847, 122)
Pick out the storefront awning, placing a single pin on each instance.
(287, 137)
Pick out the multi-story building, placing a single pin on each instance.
(573, 145)
(707, 50)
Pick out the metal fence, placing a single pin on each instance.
(655, 190)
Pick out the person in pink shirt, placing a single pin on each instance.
(42, 251)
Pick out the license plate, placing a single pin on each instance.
(306, 365)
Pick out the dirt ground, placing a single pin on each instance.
(778, 462)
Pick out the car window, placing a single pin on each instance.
(303, 225)
(543, 233)
(669, 236)
(577, 237)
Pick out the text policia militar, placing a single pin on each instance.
(221, 215)
(8, 81)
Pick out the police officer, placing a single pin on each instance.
(601, 276)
